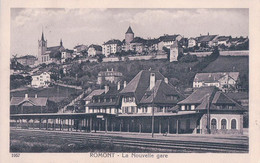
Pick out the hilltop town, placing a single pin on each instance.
(172, 74)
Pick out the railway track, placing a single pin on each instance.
(238, 146)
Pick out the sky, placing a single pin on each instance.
(96, 26)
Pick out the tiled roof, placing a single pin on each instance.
(94, 93)
(222, 98)
(160, 94)
(166, 38)
(150, 42)
(139, 84)
(40, 101)
(53, 48)
(27, 57)
(129, 30)
(198, 95)
(206, 38)
(213, 77)
(238, 95)
(112, 92)
(212, 96)
(113, 41)
(138, 40)
(96, 47)
(223, 38)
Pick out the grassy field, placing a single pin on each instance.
(229, 63)
(29, 144)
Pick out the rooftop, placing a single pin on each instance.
(129, 30)
(210, 96)
(213, 77)
(113, 41)
(39, 101)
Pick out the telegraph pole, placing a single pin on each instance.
(208, 115)
(153, 113)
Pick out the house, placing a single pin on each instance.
(111, 47)
(224, 40)
(206, 40)
(27, 60)
(111, 76)
(168, 40)
(219, 114)
(94, 50)
(152, 44)
(237, 41)
(65, 54)
(192, 42)
(29, 105)
(137, 44)
(225, 81)
(41, 80)
(80, 50)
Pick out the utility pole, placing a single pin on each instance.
(153, 113)
(208, 115)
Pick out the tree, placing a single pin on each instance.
(100, 57)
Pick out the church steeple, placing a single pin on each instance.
(129, 30)
(61, 42)
(43, 37)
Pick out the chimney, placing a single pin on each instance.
(26, 96)
(118, 85)
(35, 96)
(152, 80)
(166, 80)
(106, 88)
(124, 84)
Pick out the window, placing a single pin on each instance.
(223, 124)
(230, 107)
(183, 107)
(233, 124)
(213, 124)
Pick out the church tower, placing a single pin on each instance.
(42, 47)
(129, 35)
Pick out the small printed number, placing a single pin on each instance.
(15, 154)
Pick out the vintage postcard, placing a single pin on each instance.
(119, 83)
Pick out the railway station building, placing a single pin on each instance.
(147, 98)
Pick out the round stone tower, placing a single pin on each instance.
(129, 35)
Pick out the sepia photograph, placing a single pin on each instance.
(129, 80)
